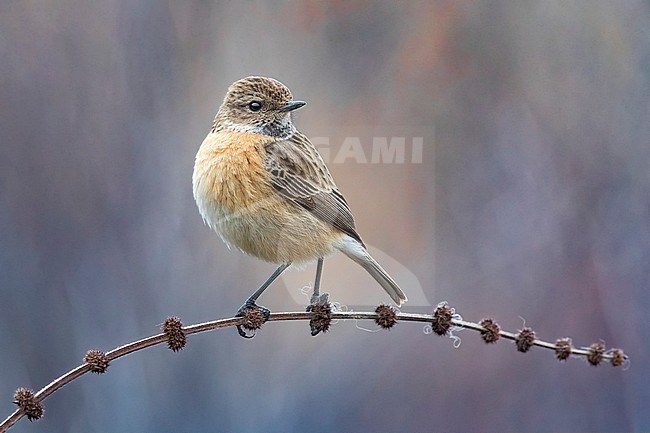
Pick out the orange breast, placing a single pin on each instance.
(235, 197)
(230, 170)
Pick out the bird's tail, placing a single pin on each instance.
(356, 251)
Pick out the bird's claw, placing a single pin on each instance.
(322, 299)
(319, 305)
(254, 317)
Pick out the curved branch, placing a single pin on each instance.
(443, 321)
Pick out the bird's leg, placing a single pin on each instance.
(318, 304)
(316, 297)
(250, 302)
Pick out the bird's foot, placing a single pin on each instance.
(254, 317)
(322, 299)
(322, 310)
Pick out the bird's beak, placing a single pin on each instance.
(292, 105)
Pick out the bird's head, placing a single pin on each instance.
(258, 104)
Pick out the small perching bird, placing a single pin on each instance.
(265, 189)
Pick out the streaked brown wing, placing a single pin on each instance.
(299, 174)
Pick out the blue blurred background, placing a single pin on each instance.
(532, 199)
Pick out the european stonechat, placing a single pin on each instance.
(264, 188)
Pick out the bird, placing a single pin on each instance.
(264, 188)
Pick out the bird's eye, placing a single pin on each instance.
(255, 106)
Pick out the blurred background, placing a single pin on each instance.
(530, 204)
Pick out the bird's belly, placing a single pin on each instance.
(249, 215)
(277, 236)
(272, 234)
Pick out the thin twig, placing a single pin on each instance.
(616, 357)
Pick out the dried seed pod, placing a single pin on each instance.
(386, 316)
(97, 360)
(490, 333)
(26, 400)
(173, 329)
